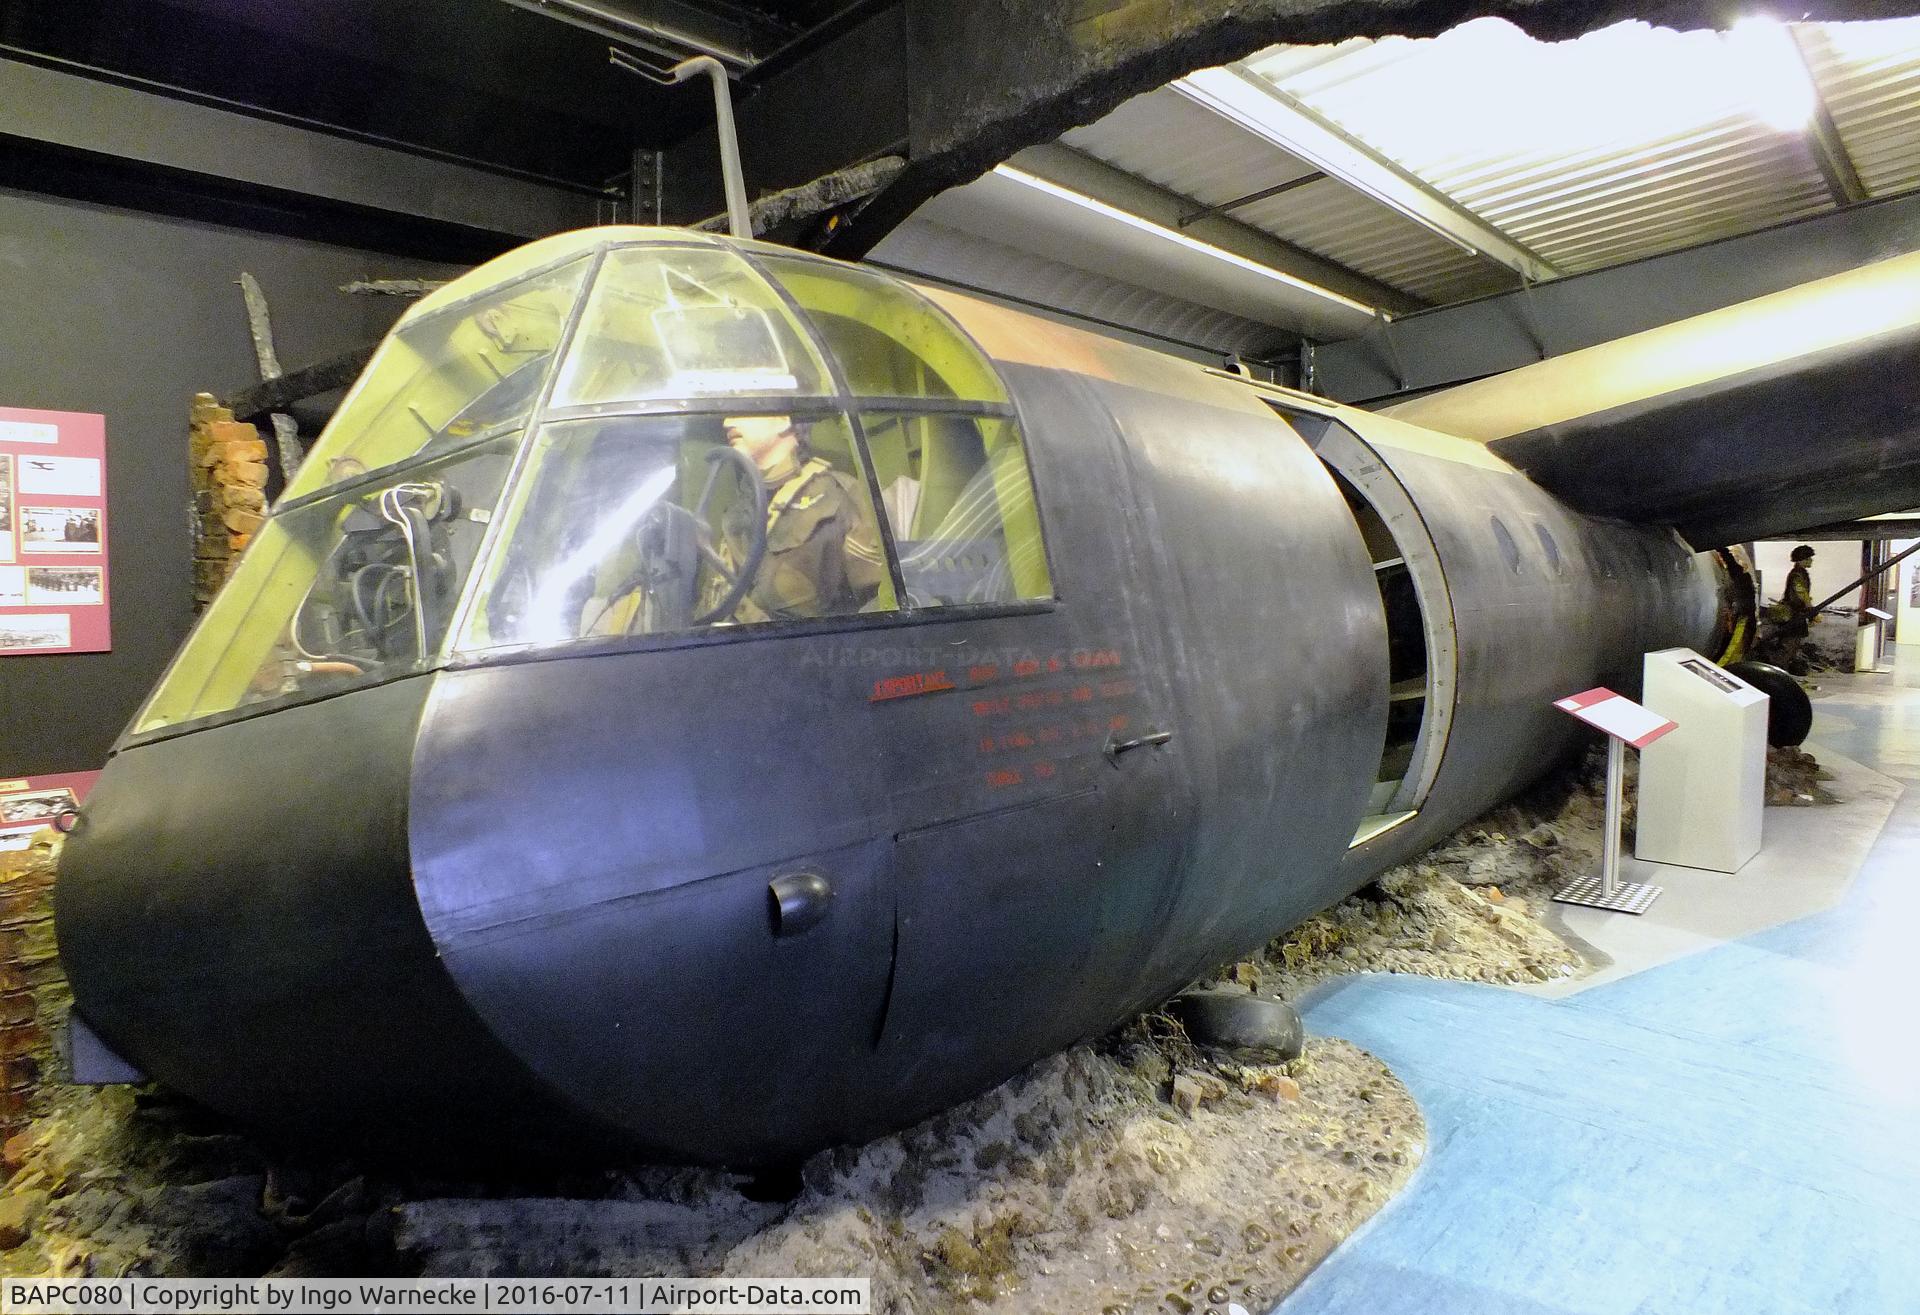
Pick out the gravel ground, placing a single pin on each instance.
(1830, 643)
(1080, 1185)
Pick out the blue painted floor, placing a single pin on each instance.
(1737, 1131)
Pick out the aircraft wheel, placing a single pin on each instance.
(1789, 710)
(1234, 1020)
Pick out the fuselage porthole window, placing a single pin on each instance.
(1509, 546)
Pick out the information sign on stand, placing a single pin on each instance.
(1625, 722)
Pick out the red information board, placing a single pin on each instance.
(28, 803)
(53, 532)
(1617, 715)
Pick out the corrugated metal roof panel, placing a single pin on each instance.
(1332, 220)
(1869, 75)
(1059, 223)
(1166, 139)
(944, 253)
(1552, 146)
(1676, 194)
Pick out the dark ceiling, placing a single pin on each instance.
(478, 79)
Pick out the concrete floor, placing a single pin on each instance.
(1808, 860)
(1723, 1121)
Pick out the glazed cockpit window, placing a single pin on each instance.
(887, 340)
(471, 371)
(960, 504)
(617, 435)
(681, 324)
(644, 525)
(354, 586)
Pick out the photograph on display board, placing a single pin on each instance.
(53, 530)
(59, 477)
(34, 806)
(64, 586)
(27, 633)
(59, 529)
(6, 508)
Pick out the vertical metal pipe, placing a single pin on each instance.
(1610, 838)
(738, 222)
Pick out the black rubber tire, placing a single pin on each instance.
(1789, 710)
(1243, 1023)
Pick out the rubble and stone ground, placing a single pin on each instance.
(1830, 643)
(1137, 1173)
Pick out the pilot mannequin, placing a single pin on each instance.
(823, 553)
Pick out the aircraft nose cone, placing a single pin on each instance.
(236, 917)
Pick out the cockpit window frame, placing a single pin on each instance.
(452, 657)
(590, 261)
(859, 406)
(838, 374)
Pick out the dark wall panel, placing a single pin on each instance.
(129, 314)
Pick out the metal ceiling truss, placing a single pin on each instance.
(1823, 137)
(1490, 335)
(166, 142)
(1166, 209)
(1258, 107)
(670, 31)
(1240, 202)
(975, 97)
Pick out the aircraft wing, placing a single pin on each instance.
(1793, 410)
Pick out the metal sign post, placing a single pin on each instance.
(1625, 722)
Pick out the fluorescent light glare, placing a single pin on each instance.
(548, 624)
(1772, 73)
(1881, 41)
(1135, 222)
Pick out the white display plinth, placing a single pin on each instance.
(1906, 631)
(1702, 788)
(1866, 647)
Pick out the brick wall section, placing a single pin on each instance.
(33, 989)
(229, 492)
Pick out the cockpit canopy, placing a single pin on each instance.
(622, 433)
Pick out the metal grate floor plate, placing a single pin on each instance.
(1628, 896)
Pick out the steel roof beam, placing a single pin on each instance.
(1258, 107)
(1835, 165)
(1456, 344)
(945, 83)
(1239, 202)
(1881, 529)
(1823, 137)
(668, 29)
(1171, 210)
(160, 136)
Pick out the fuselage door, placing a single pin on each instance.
(1038, 799)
